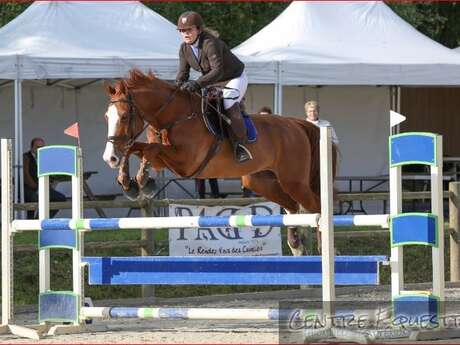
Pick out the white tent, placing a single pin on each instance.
(350, 43)
(87, 39)
(341, 53)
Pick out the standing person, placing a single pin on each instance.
(31, 178)
(312, 113)
(205, 52)
(201, 188)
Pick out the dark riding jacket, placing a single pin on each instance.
(216, 63)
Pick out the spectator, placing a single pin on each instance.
(31, 178)
(201, 188)
(265, 111)
(312, 113)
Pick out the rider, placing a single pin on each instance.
(205, 52)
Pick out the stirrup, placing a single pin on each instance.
(242, 154)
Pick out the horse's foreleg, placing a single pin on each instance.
(147, 153)
(123, 173)
(129, 188)
(146, 184)
(142, 175)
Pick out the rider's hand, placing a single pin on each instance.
(191, 86)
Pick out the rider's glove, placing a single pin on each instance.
(191, 86)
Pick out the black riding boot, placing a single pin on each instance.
(237, 134)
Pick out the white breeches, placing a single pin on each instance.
(237, 90)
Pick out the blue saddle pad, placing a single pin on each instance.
(251, 129)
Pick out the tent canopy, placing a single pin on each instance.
(350, 43)
(87, 39)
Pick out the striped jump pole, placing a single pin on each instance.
(96, 224)
(262, 314)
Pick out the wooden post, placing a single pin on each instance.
(149, 247)
(454, 216)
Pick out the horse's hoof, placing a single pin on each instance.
(294, 242)
(132, 193)
(297, 251)
(149, 188)
(293, 237)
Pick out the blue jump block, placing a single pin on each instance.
(412, 148)
(59, 306)
(230, 270)
(414, 228)
(57, 160)
(57, 239)
(416, 310)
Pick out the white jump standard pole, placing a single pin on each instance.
(7, 248)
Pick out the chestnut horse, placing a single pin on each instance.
(285, 167)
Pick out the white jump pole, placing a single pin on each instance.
(44, 213)
(77, 213)
(396, 260)
(326, 224)
(438, 209)
(7, 218)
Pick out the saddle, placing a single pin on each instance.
(215, 118)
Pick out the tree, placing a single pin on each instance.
(235, 21)
(437, 20)
(10, 10)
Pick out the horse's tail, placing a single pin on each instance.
(313, 134)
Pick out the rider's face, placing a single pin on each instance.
(189, 35)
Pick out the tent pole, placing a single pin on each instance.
(394, 105)
(278, 90)
(18, 134)
(275, 89)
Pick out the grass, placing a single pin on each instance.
(417, 266)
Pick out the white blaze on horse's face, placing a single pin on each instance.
(110, 154)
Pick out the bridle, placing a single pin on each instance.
(133, 110)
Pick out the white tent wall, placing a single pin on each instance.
(48, 110)
(359, 114)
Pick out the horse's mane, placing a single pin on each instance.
(137, 79)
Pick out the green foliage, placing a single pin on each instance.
(10, 10)
(437, 20)
(235, 22)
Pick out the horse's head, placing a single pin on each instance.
(124, 123)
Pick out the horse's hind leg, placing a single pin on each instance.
(266, 184)
(299, 189)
